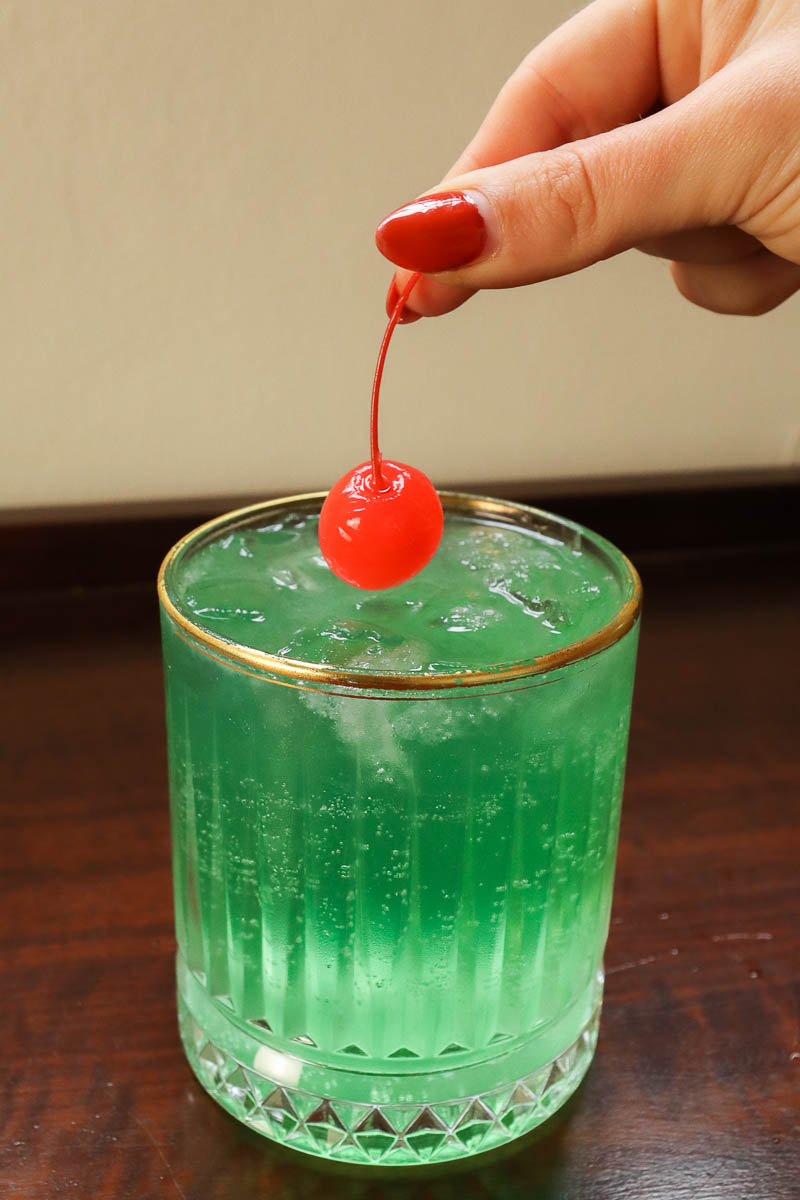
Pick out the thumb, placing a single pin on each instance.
(703, 161)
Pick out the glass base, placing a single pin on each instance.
(257, 1084)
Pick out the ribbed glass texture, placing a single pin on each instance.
(392, 899)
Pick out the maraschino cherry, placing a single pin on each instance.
(381, 523)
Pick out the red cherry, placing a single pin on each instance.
(381, 523)
(376, 536)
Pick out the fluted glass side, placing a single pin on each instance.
(406, 883)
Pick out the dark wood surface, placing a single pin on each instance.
(695, 1090)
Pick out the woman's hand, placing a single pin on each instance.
(566, 169)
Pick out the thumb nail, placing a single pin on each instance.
(435, 233)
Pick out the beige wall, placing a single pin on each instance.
(190, 299)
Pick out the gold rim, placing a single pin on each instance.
(506, 512)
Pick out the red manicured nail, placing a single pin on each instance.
(434, 233)
(408, 315)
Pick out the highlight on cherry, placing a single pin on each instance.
(381, 523)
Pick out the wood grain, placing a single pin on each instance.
(695, 1090)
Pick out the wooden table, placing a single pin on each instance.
(695, 1090)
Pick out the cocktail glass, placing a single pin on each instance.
(392, 891)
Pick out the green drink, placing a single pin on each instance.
(394, 824)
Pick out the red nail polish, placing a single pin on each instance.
(392, 296)
(434, 233)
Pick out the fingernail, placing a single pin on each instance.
(408, 316)
(434, 233)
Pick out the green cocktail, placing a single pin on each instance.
(395, 818)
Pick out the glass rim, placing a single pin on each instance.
(297, 673)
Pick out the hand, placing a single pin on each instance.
(565, 170)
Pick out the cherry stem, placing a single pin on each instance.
(375, 454)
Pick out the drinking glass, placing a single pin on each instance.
(392, 891)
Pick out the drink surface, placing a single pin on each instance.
(493, 593)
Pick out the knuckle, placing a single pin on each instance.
(571, 193)
(564, 114)
(766, 190)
